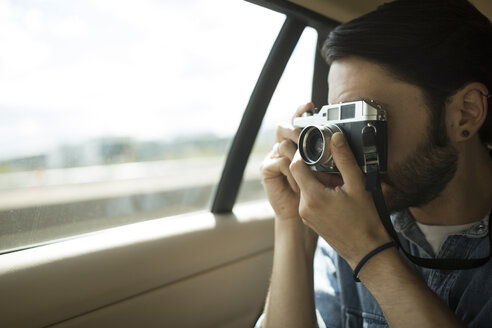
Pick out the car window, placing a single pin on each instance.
(113, 112)
(293, 90)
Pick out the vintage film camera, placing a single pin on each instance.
(363, 124)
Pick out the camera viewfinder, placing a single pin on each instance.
(348, 111)
(333, 114)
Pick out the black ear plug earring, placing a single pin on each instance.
(465, 133)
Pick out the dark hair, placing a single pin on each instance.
(437, 45)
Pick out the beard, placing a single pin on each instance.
(421, 177)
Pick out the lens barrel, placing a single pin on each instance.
(314, 144)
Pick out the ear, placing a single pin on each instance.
(466, 111)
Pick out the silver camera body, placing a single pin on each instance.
(363, 125)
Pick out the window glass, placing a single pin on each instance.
(294, 89)
(117, 111)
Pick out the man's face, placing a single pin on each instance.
(418, 170)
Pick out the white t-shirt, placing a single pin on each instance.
(437, 234)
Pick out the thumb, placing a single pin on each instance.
(346, 163)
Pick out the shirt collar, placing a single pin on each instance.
(403, 220)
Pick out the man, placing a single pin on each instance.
(429, 64)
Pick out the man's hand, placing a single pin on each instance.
(345, 216)
(290, 301)
(281, 188)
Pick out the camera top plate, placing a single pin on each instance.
(343, 113)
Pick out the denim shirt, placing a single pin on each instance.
(341, 302)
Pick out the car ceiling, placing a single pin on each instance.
(345, 10)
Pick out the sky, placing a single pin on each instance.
(75, 70)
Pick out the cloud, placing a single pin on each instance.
(144, 68)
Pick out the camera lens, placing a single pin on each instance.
(314, 144)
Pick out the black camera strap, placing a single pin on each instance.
(373, 185)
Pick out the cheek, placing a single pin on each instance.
(394, 150)
(401, 143)
(406, 130)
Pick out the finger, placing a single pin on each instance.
(274, 153)
(275, 167)
(302, 109)
(346, 163)
(287, 149)
(286, 131)
(329, 180)
(305, 179)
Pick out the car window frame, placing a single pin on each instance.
(297, 19)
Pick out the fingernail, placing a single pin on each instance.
(338, 139)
